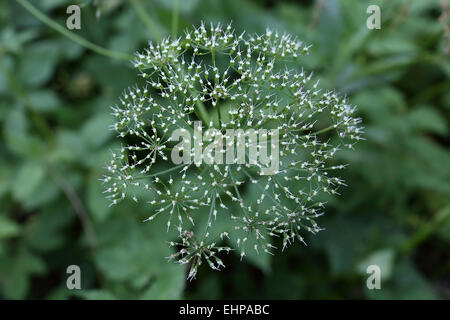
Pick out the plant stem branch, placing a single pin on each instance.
(72, 36)
(426, 230)
(43, 127)
(162, 172)
(325, 130)
(201, 112)
(77, 205)
(219, 116)
(175, 19)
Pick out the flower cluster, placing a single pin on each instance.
(239, 82)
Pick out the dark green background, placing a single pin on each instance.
(54, 116)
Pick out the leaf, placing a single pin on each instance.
(70, 146)
(97, 131)
(52, 4)
(131, 249)
(16, 122)
(397, 44)
(16, 285)
(45, 231)
(185, 7)
(95, 295)
(339, 235)
(15, 273)
(425, 118)
(443, 223)
(383, 258)
(43, 100)
(330, 25)
(8, 228)
(5, 179)
(406, 283)
(168, 285)
(17, 137)
(29, 178)
(97, 203)
(37, 64)
(46, 193)
(259, 259)
(103, 72)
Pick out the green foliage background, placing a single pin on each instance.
(54, 117)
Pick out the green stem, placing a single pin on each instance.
(162, 172)
(426, 231)
(219, 116)
(201, 112)
(74, 37)
(175, 19)
(325, 130)
(142, 14)
(77, 205)
(213, 57)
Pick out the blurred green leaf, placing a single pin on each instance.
(168, 285)
(45, 231)
(43, 100)
(96, 295)
(37, 64)
(428, 119)
(98, 205)
(8, 228)
(383, 258)
(15, 272)
(406, 283)
(96, 130)
(29, 178)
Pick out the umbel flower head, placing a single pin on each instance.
(264, 160)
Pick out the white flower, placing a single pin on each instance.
(244, 82)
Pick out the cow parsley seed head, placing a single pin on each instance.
(258, 138)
